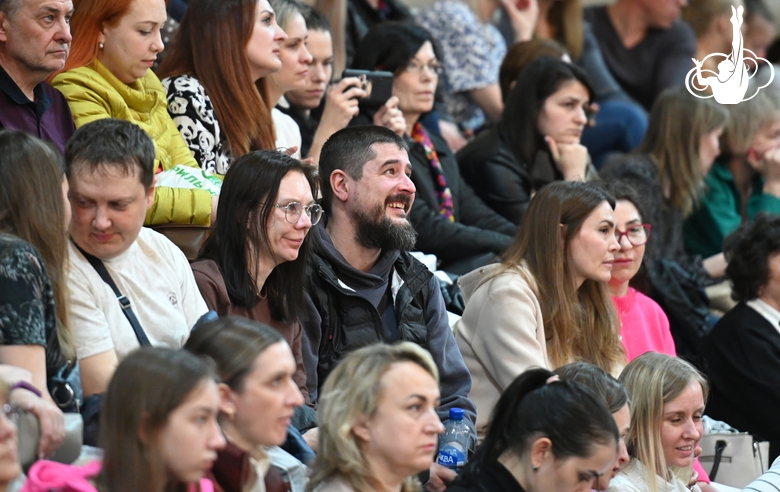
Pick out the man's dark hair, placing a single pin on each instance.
(315, 20)
(349, 149)
(748, 250)
(111, 142)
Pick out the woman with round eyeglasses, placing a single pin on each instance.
(253, 263)
(643, 325)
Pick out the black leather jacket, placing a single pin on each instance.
(504, 183)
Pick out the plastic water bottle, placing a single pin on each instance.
(454, 442)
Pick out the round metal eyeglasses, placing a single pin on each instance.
(293, 211)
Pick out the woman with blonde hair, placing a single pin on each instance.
(745, 180)
(378, 421)
(546, 304)
(667, 404)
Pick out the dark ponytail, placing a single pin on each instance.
(600, 382)
(567, 413)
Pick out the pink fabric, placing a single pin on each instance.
(644, 326)
(45, 476)
(50, 475)
(205, 486)
(703, 477)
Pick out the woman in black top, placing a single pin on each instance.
(545, 434)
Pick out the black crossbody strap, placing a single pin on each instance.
(100, 268)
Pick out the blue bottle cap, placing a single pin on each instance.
(456, 414)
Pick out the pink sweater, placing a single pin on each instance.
(643, 325)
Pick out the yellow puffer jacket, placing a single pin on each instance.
(93, 92)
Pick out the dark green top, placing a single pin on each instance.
(720, 211)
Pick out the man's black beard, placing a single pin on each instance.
(383, 233)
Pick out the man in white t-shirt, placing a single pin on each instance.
(110, 169)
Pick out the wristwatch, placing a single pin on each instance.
(27, 386)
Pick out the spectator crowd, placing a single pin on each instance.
(228, 263)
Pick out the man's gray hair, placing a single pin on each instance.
(9, 7)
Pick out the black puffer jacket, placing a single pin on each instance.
(504, 183)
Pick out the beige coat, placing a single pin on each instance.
(501, 333)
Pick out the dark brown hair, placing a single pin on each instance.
(233, 343)
(520, 55)
(249, 197)
(146, 388)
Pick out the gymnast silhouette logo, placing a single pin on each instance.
(730, 84)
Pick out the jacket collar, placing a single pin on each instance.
(9, 86)
(139, 95)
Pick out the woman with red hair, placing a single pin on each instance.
(215, 77)
(115, 43)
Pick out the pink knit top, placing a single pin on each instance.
(643, 325)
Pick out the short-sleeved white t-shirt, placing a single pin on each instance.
(155, 275)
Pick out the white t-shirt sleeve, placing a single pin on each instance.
(91, 329)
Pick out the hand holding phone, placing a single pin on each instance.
(378, 86)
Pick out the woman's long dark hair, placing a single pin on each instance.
(248, 197)
(570, 415)
(538, 80)
(390, 46)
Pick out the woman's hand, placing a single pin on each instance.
(769, 167)
(523, 14)
(312, 438)
(49, 416)
(390, 116)
(341, 103)
(571, 159)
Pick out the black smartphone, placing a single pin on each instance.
(378, 85)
